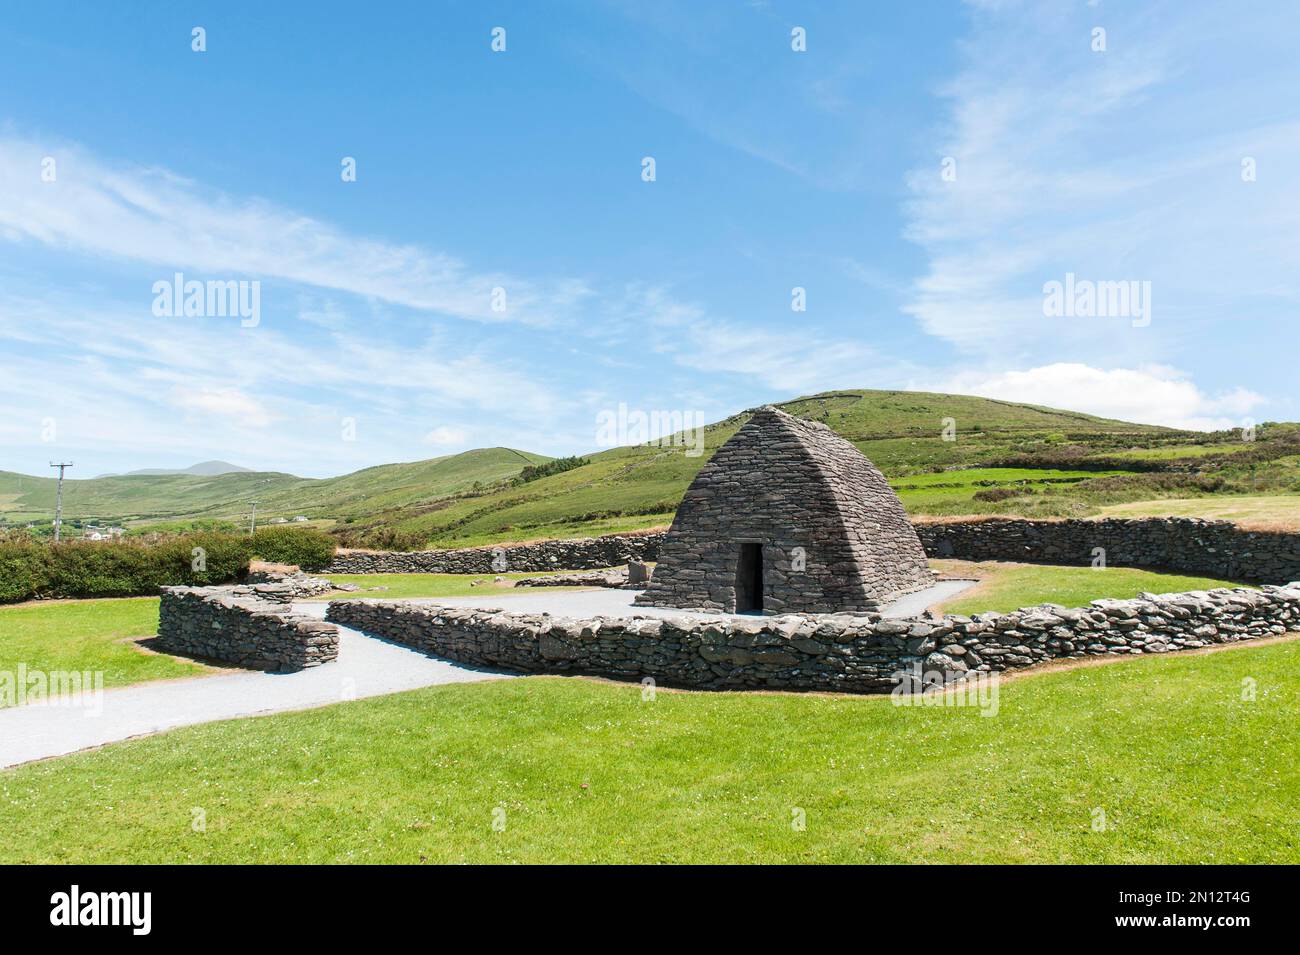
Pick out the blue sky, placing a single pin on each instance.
(522, 170)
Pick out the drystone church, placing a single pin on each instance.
(787, 517)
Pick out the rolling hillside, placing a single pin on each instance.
(172, 497)
(1002, 457)
(634, 487)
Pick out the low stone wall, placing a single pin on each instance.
(858, 653)
(583, 553)
(1213, 548)
(611, 577)
(251, 626)
(302, 585)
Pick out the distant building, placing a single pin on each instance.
(278, 520)
(300, 519)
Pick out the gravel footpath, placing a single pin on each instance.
(367, 666)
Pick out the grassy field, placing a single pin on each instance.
(900, 431)
(1264, 510)
(1006, 459)
(1007, 586)
(88, 635)
(1179, 451)
(399, 586)
(949, 490)
(573, 770)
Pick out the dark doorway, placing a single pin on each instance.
(749, 579)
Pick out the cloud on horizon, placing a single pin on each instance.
(1151, 394)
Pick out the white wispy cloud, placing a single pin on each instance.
(790, 357)
(224, 403)
(129, 382)
(1122, 165)
(446, 436)
(150, 215)
(1151, 394)
(791, 360)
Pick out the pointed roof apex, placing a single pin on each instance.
(785, 416)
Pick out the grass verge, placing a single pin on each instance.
(1184, 770)
(1007, 586)
(95, 635)
(403, 586)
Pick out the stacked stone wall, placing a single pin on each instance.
(1213, 548)
(859, 653)
(252, 626)
(583, 553)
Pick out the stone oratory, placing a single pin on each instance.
(787, 517)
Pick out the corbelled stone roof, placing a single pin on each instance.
(834, 534)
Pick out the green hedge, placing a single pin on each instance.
(129, 568)
(24, 569)
(307, 547)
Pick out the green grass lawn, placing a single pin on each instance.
(582, 771)
(91, 635)
(428, 585)
(1008, 586)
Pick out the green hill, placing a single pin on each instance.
(633, 487)
(186, 497)
(995, 457)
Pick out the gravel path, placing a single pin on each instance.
(366, 666)
(618, 603)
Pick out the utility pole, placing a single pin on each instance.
(252, 524)
(58, 499)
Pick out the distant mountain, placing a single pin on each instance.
(202, 469)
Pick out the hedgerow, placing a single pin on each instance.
(30, 568)
(307, 547)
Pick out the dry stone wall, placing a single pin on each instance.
(612, 577)
(252, 626)
(1213, 548)
(858, 653)
(300, 584)
(584, 553)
